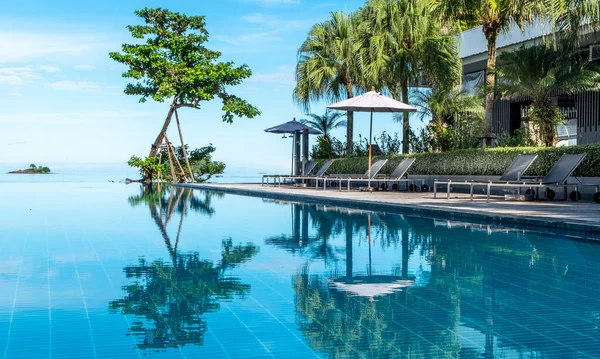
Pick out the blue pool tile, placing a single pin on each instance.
(117, 272)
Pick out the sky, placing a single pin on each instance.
(62, 100)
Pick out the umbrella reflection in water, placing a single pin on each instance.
(372, 285)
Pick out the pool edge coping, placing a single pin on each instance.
(582, 230)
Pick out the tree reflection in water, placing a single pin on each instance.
(373, 315)
(168, 299)
(489, 293)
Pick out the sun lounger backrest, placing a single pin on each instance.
(403, 167)
(518, 167)
(324, 168)
(563, 168)
(375, 168)
(309, 167)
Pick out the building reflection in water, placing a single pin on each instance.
(168, 298)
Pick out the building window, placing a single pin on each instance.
(473, 82)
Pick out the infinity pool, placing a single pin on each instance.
(112, 271)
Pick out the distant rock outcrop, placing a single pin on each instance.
(33, 169)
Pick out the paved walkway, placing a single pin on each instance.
(555, 216)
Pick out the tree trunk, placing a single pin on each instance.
(405, 121)
(490, 83)
(185, 156)
(161, 134)
(350, 123)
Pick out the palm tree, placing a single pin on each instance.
(540, 73)
(404, 45)
(495, 16)
(447, 108)
(327, 66)
(326, 122)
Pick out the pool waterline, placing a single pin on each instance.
(112, 271)
(554, 218)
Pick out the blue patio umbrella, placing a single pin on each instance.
(291, 127)
(295, 127)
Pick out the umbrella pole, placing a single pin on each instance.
(369, 236)
(370, 148)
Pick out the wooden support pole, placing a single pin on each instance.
(185, 156)
(172, 151)
(170, 160)
(159, 162)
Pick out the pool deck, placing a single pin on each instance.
(578, 219)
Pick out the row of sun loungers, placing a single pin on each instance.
(511, 178)
(396, 177)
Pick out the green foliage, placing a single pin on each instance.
(170, 299)
(466, 131)
(148, 165)
(322, 149)
(539, 73)
(455, 117)
(334, 148)
(34, 169)
(476, 162)
(442, 136)
(326, 122)
(521, 138)
(388, 144)
(402, 42)
(546, 116)
(403, 45)
(171, 61)
(421, 142)
(327, 65)
(200, 160)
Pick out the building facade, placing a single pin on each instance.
(582, 110)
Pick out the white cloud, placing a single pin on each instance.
(51, 69)
(84, 67)
(75, 86)
(268, 20)
(251, 39)
(18, 46)
(19, 75)
(267, 29)
(284, 76)
(14, 94)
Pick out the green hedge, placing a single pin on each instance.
(476, 162)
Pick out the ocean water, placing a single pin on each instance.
(99, 269)
(107, 172)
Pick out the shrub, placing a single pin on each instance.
(476, 162)
(521, 138)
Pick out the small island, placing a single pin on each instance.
(33, 169)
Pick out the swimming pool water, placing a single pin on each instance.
(93, 270)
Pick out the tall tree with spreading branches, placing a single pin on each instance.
(171, 63)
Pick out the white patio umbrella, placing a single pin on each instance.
(371, 102)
